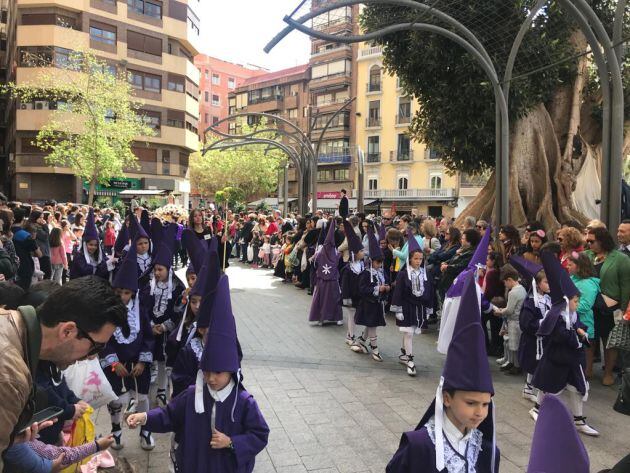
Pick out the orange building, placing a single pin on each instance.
(218, 79)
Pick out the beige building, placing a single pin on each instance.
(154, 42)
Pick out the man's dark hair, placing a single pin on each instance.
(472, 236)
(553, 247)
(39, 292)
(508, 272)
(625, 221)
(10, 295)
(604, 238)
(89, 301)
(343, 191)
(18, 215)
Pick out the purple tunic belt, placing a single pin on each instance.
(249, 432)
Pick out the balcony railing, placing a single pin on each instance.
(265, 99)
(403, 119)
(373, 51)
(373, 87)
(411, 194)
(373, 158)
(406, 155)
(320, 25)
(372, 122)
(335, 156)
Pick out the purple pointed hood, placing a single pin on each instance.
(136, 230)
(412, 243)
(206, 286)
(481, 252)
(122, 239)
(375, 247)
(157, 234)
(382, 232)
(127, 274)
(90, 233)
(164, 256)
(560, 285)
(220, 353)
(170, 236)
(213, 244)
(145, 222)
(556, 446)
(328, 257)
(195, 248)
(354, 242)
(322, 234)
(527, 269)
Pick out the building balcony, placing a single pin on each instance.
(37, 163)
(336, 24)
(373, 122)
(371, 158)
(408, 194)
(336, 156)
(181, 65)
(271, 98)
(51, 35)
(35, 120)
(406, 155)
(372, 51)
(341, 47)
(403, 119)
(177, 137)
(373, 87)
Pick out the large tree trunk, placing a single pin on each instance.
(92, 191)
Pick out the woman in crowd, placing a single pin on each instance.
(511, 240)
(571, 241)
(196, 224)
(536, 240)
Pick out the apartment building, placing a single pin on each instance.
(333, 83)
(218, 78)
(283, 93)
(397, 169)
(155, 43)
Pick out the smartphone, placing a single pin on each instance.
(42, 416)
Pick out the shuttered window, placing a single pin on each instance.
(143, 43)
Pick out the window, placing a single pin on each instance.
(152, 119)
(436, 181)
(341, 174)
(293, 113)
(372, 184)
(205, 117)
(403, 183)
(103, 36)
(404, 148)
(206, 73)
(215, 120)
(146, 7)
(294, 90)
(374, 149)
(145, 81)
(206, 96)
(215, 100)
(176, 83)
(432, 154)
(404, 110)
(343, 66)
(216, 79)
(375, 79)
(144, 44)
(374, 113)
(231, 83)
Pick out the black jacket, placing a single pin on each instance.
(344, 207)
(246, 232)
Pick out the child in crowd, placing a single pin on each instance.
(159, 298)
(140, 239)
(109, 239)
(412, 301)
(266, 249)
(373, 290)
(511, 314)
(287, 249)
(535, 306)
(217, 423)
(126, 359)
(350, 274)
(456, 434)
(89, 259)
(58, 258)
(561, 339)
(491, 287)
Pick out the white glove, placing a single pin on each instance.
(400, 316)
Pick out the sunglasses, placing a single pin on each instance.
(96, 347)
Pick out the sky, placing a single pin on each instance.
(237, 31)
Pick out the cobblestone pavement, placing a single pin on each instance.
(331, 410)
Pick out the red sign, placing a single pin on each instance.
(329, 195)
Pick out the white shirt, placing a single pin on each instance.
(458, 441)
(222, 395)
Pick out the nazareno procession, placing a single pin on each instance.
(132, 314)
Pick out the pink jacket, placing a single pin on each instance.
(58, 256)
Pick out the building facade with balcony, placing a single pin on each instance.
(219, 78)
(283, 93)
(397, 169)
(154, 43)
(333, 83)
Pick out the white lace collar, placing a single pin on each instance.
(454, 462)
(133, 319)
(356, 267)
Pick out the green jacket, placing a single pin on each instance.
(615, 276)
(589, 288)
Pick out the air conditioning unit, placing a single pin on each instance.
(23, 106)
(41, 105)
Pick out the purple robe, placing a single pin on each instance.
(529, 321)
(139, 349)
(415, 309)
(249, 432)
(349, 286)
(326, 304)
(371, 309)
(79, 267)
(170, 317)
(186, 366)
(416, 453)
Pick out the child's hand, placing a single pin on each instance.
(137, 370)
(387, 288)
(220, 440)
(581, 332)
(134, 420)
(105, 442)
(121, 371)
(382, 289)
(158, 329)
(57, 464)
(79, 409)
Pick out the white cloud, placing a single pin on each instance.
(238, 30)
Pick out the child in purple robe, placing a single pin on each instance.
(159, 298)
(412, 301)
(217, 423)
(126, 359)
(561, 339)
(350, 273)
(89, 258)
(456, 434)
(373, 290)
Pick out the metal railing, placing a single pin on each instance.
(373, 86)
(373, 158)
(373, 122)
(401, 155)
(403, 119)
(373, 51)
(414, 194)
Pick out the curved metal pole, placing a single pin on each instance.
(503, 213)
(618, 30)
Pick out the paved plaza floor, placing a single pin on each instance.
(332, 410)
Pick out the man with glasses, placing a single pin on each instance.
(74, 323)
(623, 236)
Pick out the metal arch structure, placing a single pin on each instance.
(607, 60)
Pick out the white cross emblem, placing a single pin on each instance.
(326, 269)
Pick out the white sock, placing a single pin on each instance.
(529, 378)
(351, 325)
(408, 343)
(162, 380)
(143, 403)
(575, 403)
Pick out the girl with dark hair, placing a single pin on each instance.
(536, 240)
(58, 258)
(510, 237)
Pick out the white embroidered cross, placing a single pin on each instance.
(326, 269)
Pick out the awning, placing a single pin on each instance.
(103, 193)
(269, 201)
(142, 192)
(332, 204)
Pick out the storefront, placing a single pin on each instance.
(113, 189)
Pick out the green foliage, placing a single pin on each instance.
(96, 122)
(231, 195)
(248, 170)
(457, 113)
